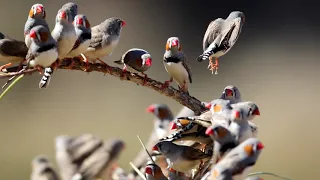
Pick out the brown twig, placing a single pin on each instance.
(181, 97)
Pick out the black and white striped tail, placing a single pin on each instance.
(45, 80)
(205, 55)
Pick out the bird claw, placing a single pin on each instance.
(144, 79)
(85, 59)
(165, 85)
(213, 66)
(124, 71)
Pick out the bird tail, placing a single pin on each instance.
(118, 62)
(205, 55)
(45, 80)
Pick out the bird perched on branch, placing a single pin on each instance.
(105, 38)
(135, 59)
(37, 16)
(181, 158)
(83, 32)
(176, 64)
(65, 35)
(11, 51)
(42, 169)
(220, 37)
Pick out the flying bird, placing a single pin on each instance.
(220, 37)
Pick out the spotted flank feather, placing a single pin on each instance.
(45, 80)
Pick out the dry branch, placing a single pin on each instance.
(181, 97)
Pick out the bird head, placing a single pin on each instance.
(37, 10)
(161, 111)
(173, 44)
(237, 14)
(113, 26)
(146, 60)
(163, 147)
(216, 131)
(231, 93)
(64, 16)
(39, 34)
(253, 148)
(154, 171)
(249, 108)
(81, 20)
(149, 170)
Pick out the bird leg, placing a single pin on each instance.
(40, 69)
(86, 61)
(183, 87)
(145, 78)
(213, 66)
(166, 83)
(124, 70)
(5, 66)
(55, 64)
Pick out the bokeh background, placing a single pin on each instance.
(274, 63)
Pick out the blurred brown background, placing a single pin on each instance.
(274, 63)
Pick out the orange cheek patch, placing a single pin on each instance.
(222, 132)
(31, 13)
(184, 122)
(167, 47)
(249, 150)
(217, 108)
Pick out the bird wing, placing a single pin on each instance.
(13, 47)
(237, 26)
(212, 32)
(186, 65)
(194, 154)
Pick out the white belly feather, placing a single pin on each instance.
(178, 73)
(45, 59)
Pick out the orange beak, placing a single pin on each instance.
(39, 9)
(63, 15)
(148, 62)
(256, 112)
(123, 23)
(260, 146)
(33, 34)
(174, 43)
(237, 114)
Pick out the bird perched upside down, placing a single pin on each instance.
(176, 64)
(135, 59)
(220, 37)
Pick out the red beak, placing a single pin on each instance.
(39, 9)
(148, 170)
(260, 146)
(148, 61)
(237, 114)
(229, 92)
(150, 109)
(174, 43)
(209, 131)
(155, 148)
(123, 23)
(174, 126)
(208, 106)
(33, 34)
(256, 112)
(63, 15)
(79, 21)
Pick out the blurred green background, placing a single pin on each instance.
(274, 63)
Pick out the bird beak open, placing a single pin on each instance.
(209, 131)
(148, 170)
(174, 43)
(256, 112)
(208, 106)
(155, 148)
(174, 126)
(150, 109)
(229, 92)
(148, 62)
